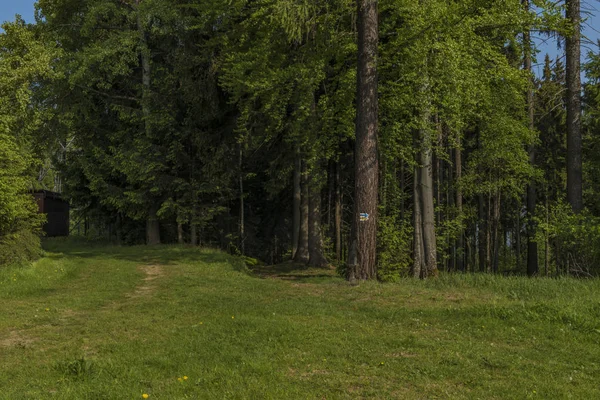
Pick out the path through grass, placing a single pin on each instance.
(180, 323)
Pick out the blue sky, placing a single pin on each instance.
(8, 9)
(591, 9)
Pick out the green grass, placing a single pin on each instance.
(93, 322)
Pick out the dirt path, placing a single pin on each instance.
(153, 272)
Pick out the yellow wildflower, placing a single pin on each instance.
(185, 378)
(145, 396)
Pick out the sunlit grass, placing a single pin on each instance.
(175, 322)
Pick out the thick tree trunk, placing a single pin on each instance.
(152, 227)
(302, 255)
(574, 141)
(296, 204)
(364, 232)
(315, 239)
(532, 256)
(425, 171)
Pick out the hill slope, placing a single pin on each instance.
(174, 323)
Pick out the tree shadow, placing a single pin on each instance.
(161, 254)
(294, 272)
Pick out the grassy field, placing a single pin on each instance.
(91, 322)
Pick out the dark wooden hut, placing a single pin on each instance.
(56, 210)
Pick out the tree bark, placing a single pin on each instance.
(302, 254)
(532, 248)
(296, 203)
(338, 214)
(481, 233)
(152, 227)
(315, 239)
(180, 232)
(574, 140)
(425, 180)
(241, 189)
(193, 234)
(418, 251)
(364, 232)
(460, 256)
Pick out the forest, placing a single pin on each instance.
(388, 138)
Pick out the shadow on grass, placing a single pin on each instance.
(161, 254)
(293, 271)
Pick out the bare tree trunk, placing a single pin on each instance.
(242, 215)
(315, 239)
(418, 251)
(496, 232)
(532, 256)
(296, 204)
(364, 232)
(193, 234)
(402, 190)
(330, 194)
(574, 140)
(338, 214)
(426, 195)
(547, 242)
(481, 233)
(152, 227)
(179, 231)
(460, 265)
(302, 255)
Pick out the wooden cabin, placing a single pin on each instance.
(56, 210)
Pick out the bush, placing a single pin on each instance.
(575, 240)
(20, 247)
(394, 258)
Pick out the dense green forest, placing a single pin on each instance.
(392, 138)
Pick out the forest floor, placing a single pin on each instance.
(169, 322)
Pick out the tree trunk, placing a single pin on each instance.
(193, 234)
(180, 232)
(296, 203)
(574, 141)
(152, 227)
(241, 188)
(532, 256)
(460, 261)
(338, 214)
(425, 172)
(364, 232)
(418, 251)
(315, 239)
(302, 255)
(481, 233)
(496, 232)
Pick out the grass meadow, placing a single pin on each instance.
(171, 322)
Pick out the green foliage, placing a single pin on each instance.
(576, 237)
(24, 62)
(394, 241)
